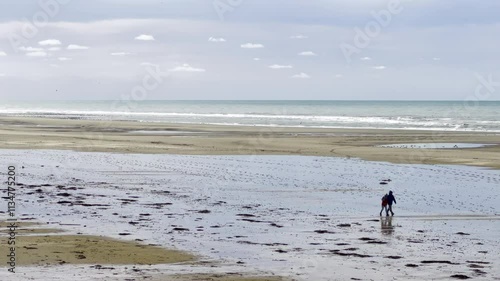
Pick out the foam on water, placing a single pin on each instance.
(417, 115)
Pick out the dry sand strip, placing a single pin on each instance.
(83, 249)
(39, 249)
(141, 137)
(53, 249)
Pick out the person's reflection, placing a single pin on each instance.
(386, 225)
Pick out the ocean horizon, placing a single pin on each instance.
(478, 116)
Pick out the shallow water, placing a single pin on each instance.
(282, 214)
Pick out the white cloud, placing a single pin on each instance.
(2, 75)
(64, 59)
(148, 64)
(76, 47)
(379, 67)
(252, 46)
(256, 59)
(278, 66)
(186, 68)
(436, 59)
(36, 54)
(50, 42)
(298, 37)
(436, 80)
(365, 58)
(120, 54)
(54, 49)
(301, 75)
(307, 53)
(216, 40)
(145, 37)
(30, 49)
(3, 54)
(339, 76)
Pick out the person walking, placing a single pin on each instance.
(390, 199)
(384, 204)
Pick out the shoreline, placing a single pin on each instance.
(191, 139)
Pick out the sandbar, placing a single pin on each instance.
(192, 139)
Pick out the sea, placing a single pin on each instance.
(480, 116)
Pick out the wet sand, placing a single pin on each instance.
(135, 137)
(213, 277)
(190, 202)
(305, 218)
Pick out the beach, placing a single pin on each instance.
(256, 140)
(251, 203)
(205, 139)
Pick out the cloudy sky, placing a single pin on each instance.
(247, 49)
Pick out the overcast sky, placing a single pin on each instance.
(248, 49)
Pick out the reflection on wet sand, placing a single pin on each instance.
(386, 225)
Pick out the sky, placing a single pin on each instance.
(249, 49)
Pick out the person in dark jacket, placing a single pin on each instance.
(384, 204)
(390, 199)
